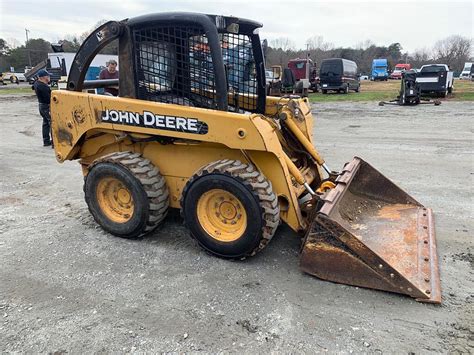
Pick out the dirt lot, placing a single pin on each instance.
(65, 285)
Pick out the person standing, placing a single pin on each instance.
(43, 93)
(110, 72)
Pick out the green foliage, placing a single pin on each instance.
(386, 91)
(70, 45)
(352, 96)
(4, 48)
(13, 89)
(35, 50)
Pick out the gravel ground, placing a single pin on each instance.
(67, 286)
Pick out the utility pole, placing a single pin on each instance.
(26, 44)
(307, 62)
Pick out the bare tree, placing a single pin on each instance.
(421, 56)
(13, 43)
(283, 43)
(111, 48)
(364, 44)
(85, 34)
(317, 42)
(282, 50)
(453, 51)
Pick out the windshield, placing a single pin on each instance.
(158, 63)
(467, 68)
(238, 57)
(269, 74)
(331, 69)
(381, 68)
(433, 69)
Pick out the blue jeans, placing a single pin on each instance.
(45, 113)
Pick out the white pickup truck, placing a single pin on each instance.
(435, 79)
(466, 73)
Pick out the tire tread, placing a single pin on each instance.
(152, 181)
(257, 184)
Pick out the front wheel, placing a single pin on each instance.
(346, 89)
(230, 209)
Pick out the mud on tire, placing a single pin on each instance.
(256, 196)
(146, 186)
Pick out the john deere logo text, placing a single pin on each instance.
(151, 120)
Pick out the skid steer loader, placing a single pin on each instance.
(192, 129)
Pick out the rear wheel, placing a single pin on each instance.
(126, 194)
(230, 209)
(324, 91)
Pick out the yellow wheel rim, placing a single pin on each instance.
(115, 200)
(222, 215)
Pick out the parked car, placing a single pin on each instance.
(435, 79)
(466, 72)
(379, 69)
(21, 77)
(364, 77)
(398, 70)
(339, 75)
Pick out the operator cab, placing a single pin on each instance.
(190, 59)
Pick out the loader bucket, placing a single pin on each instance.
(372, 234)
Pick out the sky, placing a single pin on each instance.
(415, 24)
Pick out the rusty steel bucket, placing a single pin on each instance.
(372, 234)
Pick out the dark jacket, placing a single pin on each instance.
(43, 92)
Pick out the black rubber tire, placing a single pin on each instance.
(450, 90)
(358, 89)
(254, 192)
(146, 185)
(346, 89)
(324, 91)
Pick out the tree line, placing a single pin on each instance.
(36, 50)
(454, 51)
